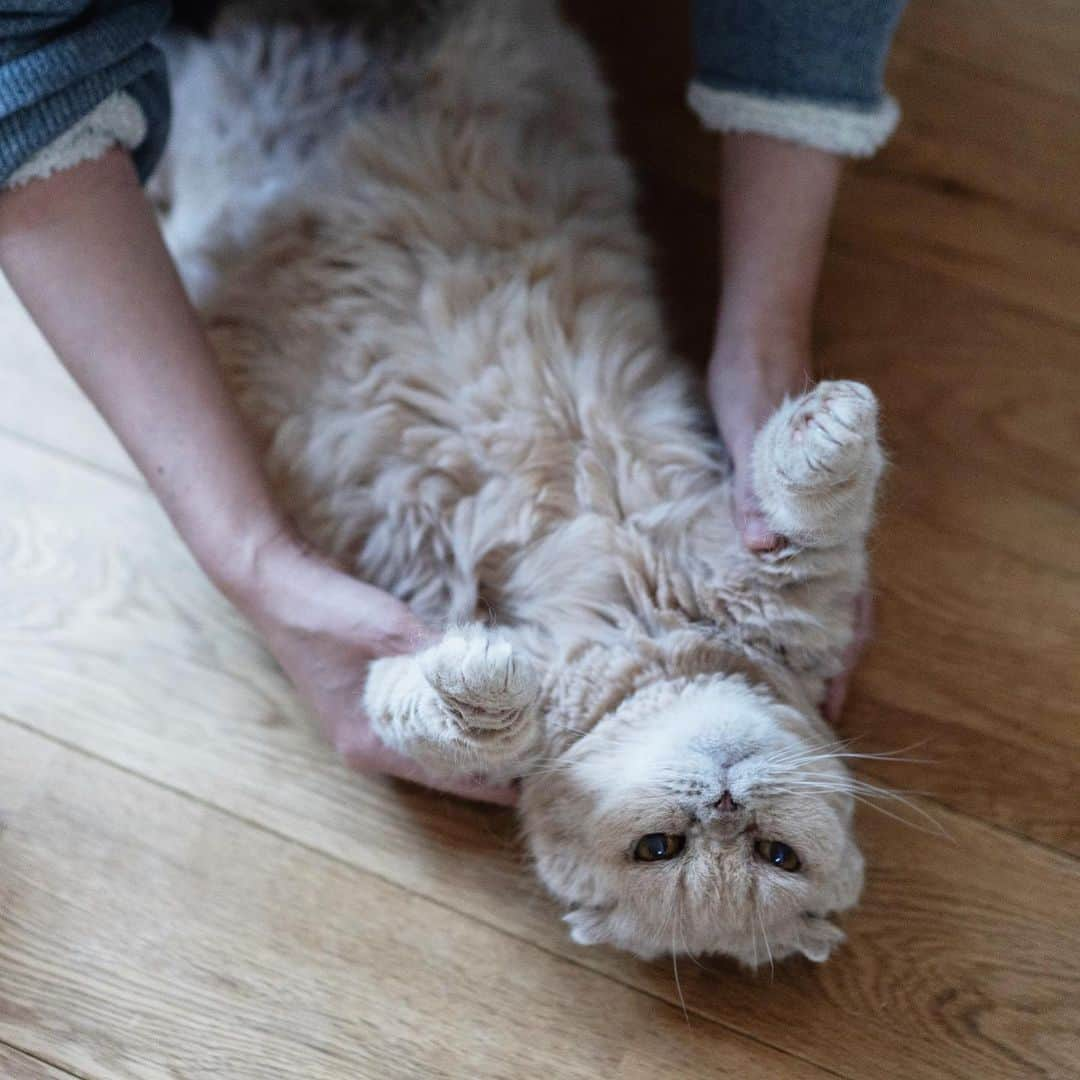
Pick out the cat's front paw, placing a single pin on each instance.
(816, 465)
(489, 689)
(827, 436)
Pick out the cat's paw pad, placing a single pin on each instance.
(829, 436)
(481, 679)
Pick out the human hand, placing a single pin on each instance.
(747, 382)
(324, 628)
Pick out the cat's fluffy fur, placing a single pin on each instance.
(426, 284)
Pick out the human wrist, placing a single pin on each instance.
(763, 325)
(246, 561)
(764, 367)
(289, 591)
(749, 375)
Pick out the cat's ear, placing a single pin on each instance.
(589, 925)
(818, 937)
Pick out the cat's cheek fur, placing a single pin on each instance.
(588, 925)
(817, 938)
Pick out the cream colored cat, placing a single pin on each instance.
(422, 272)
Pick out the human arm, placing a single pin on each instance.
(84, 253)
(794, 86)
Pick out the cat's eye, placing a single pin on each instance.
(779, 855)
(658, 846)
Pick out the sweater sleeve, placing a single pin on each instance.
(809, 71)
(79, 74)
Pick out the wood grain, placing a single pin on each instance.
(18, 1066)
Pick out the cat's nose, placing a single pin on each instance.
(726, 802)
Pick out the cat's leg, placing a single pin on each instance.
(816, 466)
(466, 706)
(817, 462)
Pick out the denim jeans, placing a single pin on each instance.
(59, 59)
(807, 70)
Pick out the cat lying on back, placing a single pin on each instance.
(422, 272)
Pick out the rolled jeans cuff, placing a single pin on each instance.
(117, 121)
(848, 130)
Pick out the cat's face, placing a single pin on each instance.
(698, 818)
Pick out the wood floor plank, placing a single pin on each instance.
(146, 935)
(15, 1065)
(114, 644)
(1035, 45)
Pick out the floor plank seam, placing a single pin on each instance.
(73, 459)
(396, 885)
(48, 1062)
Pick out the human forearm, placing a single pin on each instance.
(83, 251)
(776, 203)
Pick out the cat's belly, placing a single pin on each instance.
(466, 501)
(451, 430)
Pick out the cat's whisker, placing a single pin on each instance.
(862, 791)
(795, 774)
(892, 755)
(843, 755)
(675, 958)
(797, 757)
(678, 984)
(765, 938)
(848, 788)
(937, 830)
(753, 941)
(685, 947)
(786, 753)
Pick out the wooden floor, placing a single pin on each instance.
(192, 886)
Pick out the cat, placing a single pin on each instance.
(420, 266)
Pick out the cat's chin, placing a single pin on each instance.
(808, 935)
